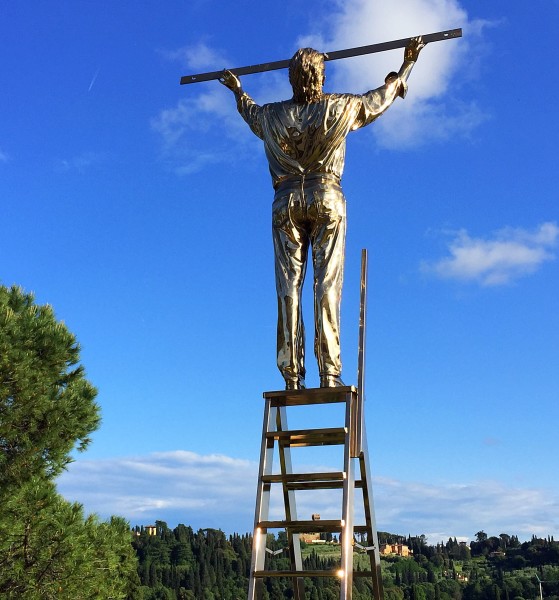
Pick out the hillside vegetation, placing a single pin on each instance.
(179, 564)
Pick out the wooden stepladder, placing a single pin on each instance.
(354, 475)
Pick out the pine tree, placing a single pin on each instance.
(48, 548)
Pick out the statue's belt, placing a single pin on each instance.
(303, 181)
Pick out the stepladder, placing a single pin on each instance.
(284, 478)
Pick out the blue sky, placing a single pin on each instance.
(140, 209)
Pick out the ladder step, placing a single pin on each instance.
(318, 573)
(322, 526)
(307, 480)
(310, 437)
(311, 481)
(303, 526)
(310, 396)
(317, 485)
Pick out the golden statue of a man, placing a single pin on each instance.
(304, 141)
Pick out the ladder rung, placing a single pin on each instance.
(319, 485)
(311, 481)
(326, 525)
(305, 478)
(310, 437)
(318, 573)
(303, 526)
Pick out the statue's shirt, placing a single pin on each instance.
(309, 138)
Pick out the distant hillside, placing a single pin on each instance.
(180, 564)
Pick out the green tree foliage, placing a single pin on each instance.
(183, 564)
(48, 549)
(46, 405)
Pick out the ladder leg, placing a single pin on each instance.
(290, 508)
(374, 554)
(262, 503)
(346, 580)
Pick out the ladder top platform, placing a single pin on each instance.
(310, 396)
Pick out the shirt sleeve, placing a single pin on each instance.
(375, 102)
(251, 113)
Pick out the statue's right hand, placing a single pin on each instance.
(230, 81)
(415, 46)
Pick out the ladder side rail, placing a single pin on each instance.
(346, 580)
(262, 509)
(372, 535)
(293, 539)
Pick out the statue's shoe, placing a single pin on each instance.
(328, 381)
(297, 383)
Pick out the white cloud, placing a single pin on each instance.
(507, 256)
(433, 109)
(219, 491)
(197, 56)
(203, 128)
(178, 486)
(461, 509)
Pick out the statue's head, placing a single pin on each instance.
(306, 75)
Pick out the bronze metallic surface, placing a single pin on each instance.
(305, 144)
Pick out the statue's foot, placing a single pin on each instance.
(295, 383)
(328, 381)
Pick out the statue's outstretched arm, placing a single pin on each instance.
(247, 107)
(411, 54)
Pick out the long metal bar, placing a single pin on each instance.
(357, 442)
(363, 451)
(336, 55)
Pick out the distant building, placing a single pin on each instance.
(151, 529)
(312, 538)
(395, 549)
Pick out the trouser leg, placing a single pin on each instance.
(290, 252)
(328, 250)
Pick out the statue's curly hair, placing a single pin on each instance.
(306, 75)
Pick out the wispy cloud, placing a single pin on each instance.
(219, 491)
(80, 163)
(93, 80)
(203, 129)
(197, 56)
(505, 257)
(178, 486)
(433, 110)
(461, 509)
(3, 156)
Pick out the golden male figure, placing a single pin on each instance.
(304, 141)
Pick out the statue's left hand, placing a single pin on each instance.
(411, 53)
(231, 81)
